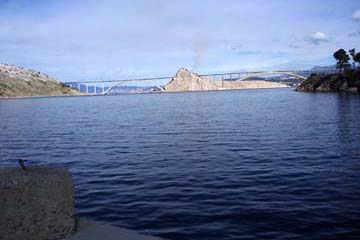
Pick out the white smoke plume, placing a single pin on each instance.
(200, 46)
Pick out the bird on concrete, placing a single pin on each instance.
(22, 164)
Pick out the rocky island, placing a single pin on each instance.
(21, 82)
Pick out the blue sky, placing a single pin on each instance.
(88, 40)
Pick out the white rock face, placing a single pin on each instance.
(252, 84)
(185, 80)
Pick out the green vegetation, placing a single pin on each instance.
(355, 57)
(342, 59)
(20, 82)
(347, 80)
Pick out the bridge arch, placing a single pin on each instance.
(160, 88)
(112, 86)
(123, 82)
(256, 74)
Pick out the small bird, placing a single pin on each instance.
(21, 163)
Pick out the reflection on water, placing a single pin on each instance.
(252, 164)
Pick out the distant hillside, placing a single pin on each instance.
(20, 82)
(323, 68)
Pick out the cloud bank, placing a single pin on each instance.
(84, 40)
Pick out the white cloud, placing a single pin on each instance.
(356, 15)
(317, 38)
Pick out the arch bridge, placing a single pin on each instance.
(138, 85)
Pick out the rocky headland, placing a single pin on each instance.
(186, 80)
(349, 81)
(21, 82)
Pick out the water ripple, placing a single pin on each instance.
(262, 164)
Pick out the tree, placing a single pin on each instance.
(342, 59)
(357, 59)
(353, 55)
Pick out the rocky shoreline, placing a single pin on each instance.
(348, 81)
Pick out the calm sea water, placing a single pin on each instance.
(251, 164)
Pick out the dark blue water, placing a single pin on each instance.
(251, 164)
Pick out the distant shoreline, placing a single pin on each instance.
(41, 96)
(120, 94)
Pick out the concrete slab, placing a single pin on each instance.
(90, 230)
(36, 203)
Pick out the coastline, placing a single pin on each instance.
(228, 89)
(347, 82)
(43, 96)
(158, 92)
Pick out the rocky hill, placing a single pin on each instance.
(186, 80)
(20, 82)
(344, 82)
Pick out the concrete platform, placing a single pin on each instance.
(36, 203)
(90, 230)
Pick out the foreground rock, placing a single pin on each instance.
(186, 80)
(37, 204)
(20, 82)
(344, 82)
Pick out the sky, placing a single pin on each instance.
(102, 40)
